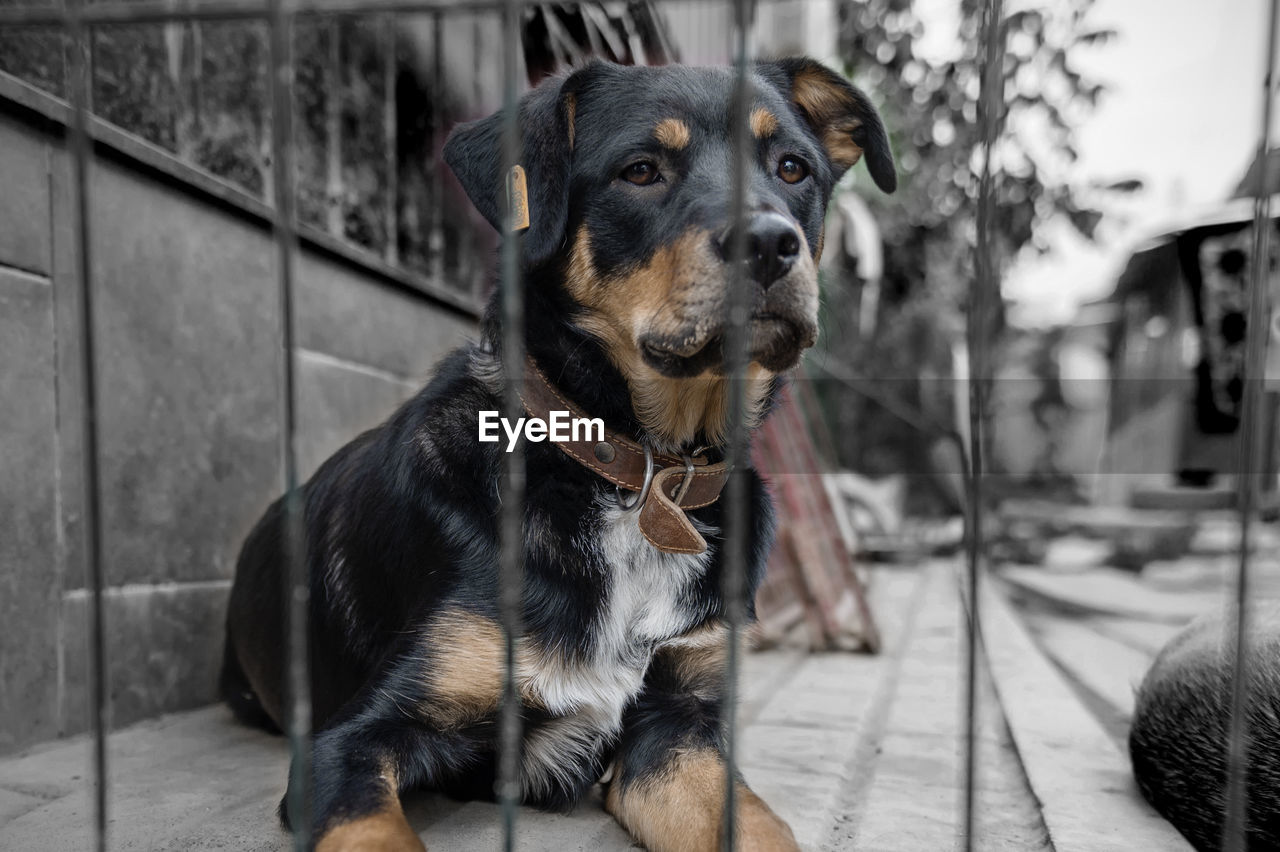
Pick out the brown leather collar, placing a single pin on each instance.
(671, 486)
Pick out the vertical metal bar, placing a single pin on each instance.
(737, 304)
(511, 568)
(80, 86)
(197, 83)
(986, 286)
(436, 214)
(390, 221)
(468, 242)
(297, 595)
(335, 218)
(1250, 453)
(91, 51)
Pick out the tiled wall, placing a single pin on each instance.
(186, 309)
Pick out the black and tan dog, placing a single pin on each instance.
(622, 660)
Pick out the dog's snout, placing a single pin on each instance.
(772, 244)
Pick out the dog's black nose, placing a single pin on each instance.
(772, 245)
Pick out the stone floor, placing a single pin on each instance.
(855, 751)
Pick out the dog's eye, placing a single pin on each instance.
(792, 170)
(641, 173)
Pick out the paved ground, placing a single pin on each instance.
(856, 752)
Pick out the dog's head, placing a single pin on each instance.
(630, 182)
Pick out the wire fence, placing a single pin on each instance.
(77, 21)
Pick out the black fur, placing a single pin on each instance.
(1181, 724)
(402, 522)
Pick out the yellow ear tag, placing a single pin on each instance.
(518, 198)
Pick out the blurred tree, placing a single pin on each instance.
(931, 109)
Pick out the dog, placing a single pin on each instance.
(626, 264)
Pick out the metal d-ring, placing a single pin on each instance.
(686, 482)
(635, 504)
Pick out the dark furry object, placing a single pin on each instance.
(1178, 742)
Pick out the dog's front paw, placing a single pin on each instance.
(760, 829)
(385, 831)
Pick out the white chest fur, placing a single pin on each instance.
(644, 606)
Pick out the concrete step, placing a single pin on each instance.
(854, 751)
(198, 781)
(1088, 799)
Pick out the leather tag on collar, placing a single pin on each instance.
(621, 461)
(663, 521)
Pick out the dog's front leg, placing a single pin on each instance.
(359, 770)
(668, 781)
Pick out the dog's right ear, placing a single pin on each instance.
(474, 153)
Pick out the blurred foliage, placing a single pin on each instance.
(35, 55)
(199, 91)
(932, 111)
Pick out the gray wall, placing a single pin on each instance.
(188, 380)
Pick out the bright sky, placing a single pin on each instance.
(1182, 113)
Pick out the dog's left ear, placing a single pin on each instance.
(474, 153)
(840, 115)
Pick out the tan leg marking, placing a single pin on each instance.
(680, 810)
(464, 681)
(386, 830)
(759, 828)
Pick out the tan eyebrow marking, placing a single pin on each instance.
(763, 122)
(672, 133)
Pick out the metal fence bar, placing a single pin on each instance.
(986, 285)
(1235, 823)
(91, 51)
(435, 229)
(160, 11)
(737, 305)
(512, 492)
(390, 199)
(297, 592)
(334, 190)
(80, 88)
